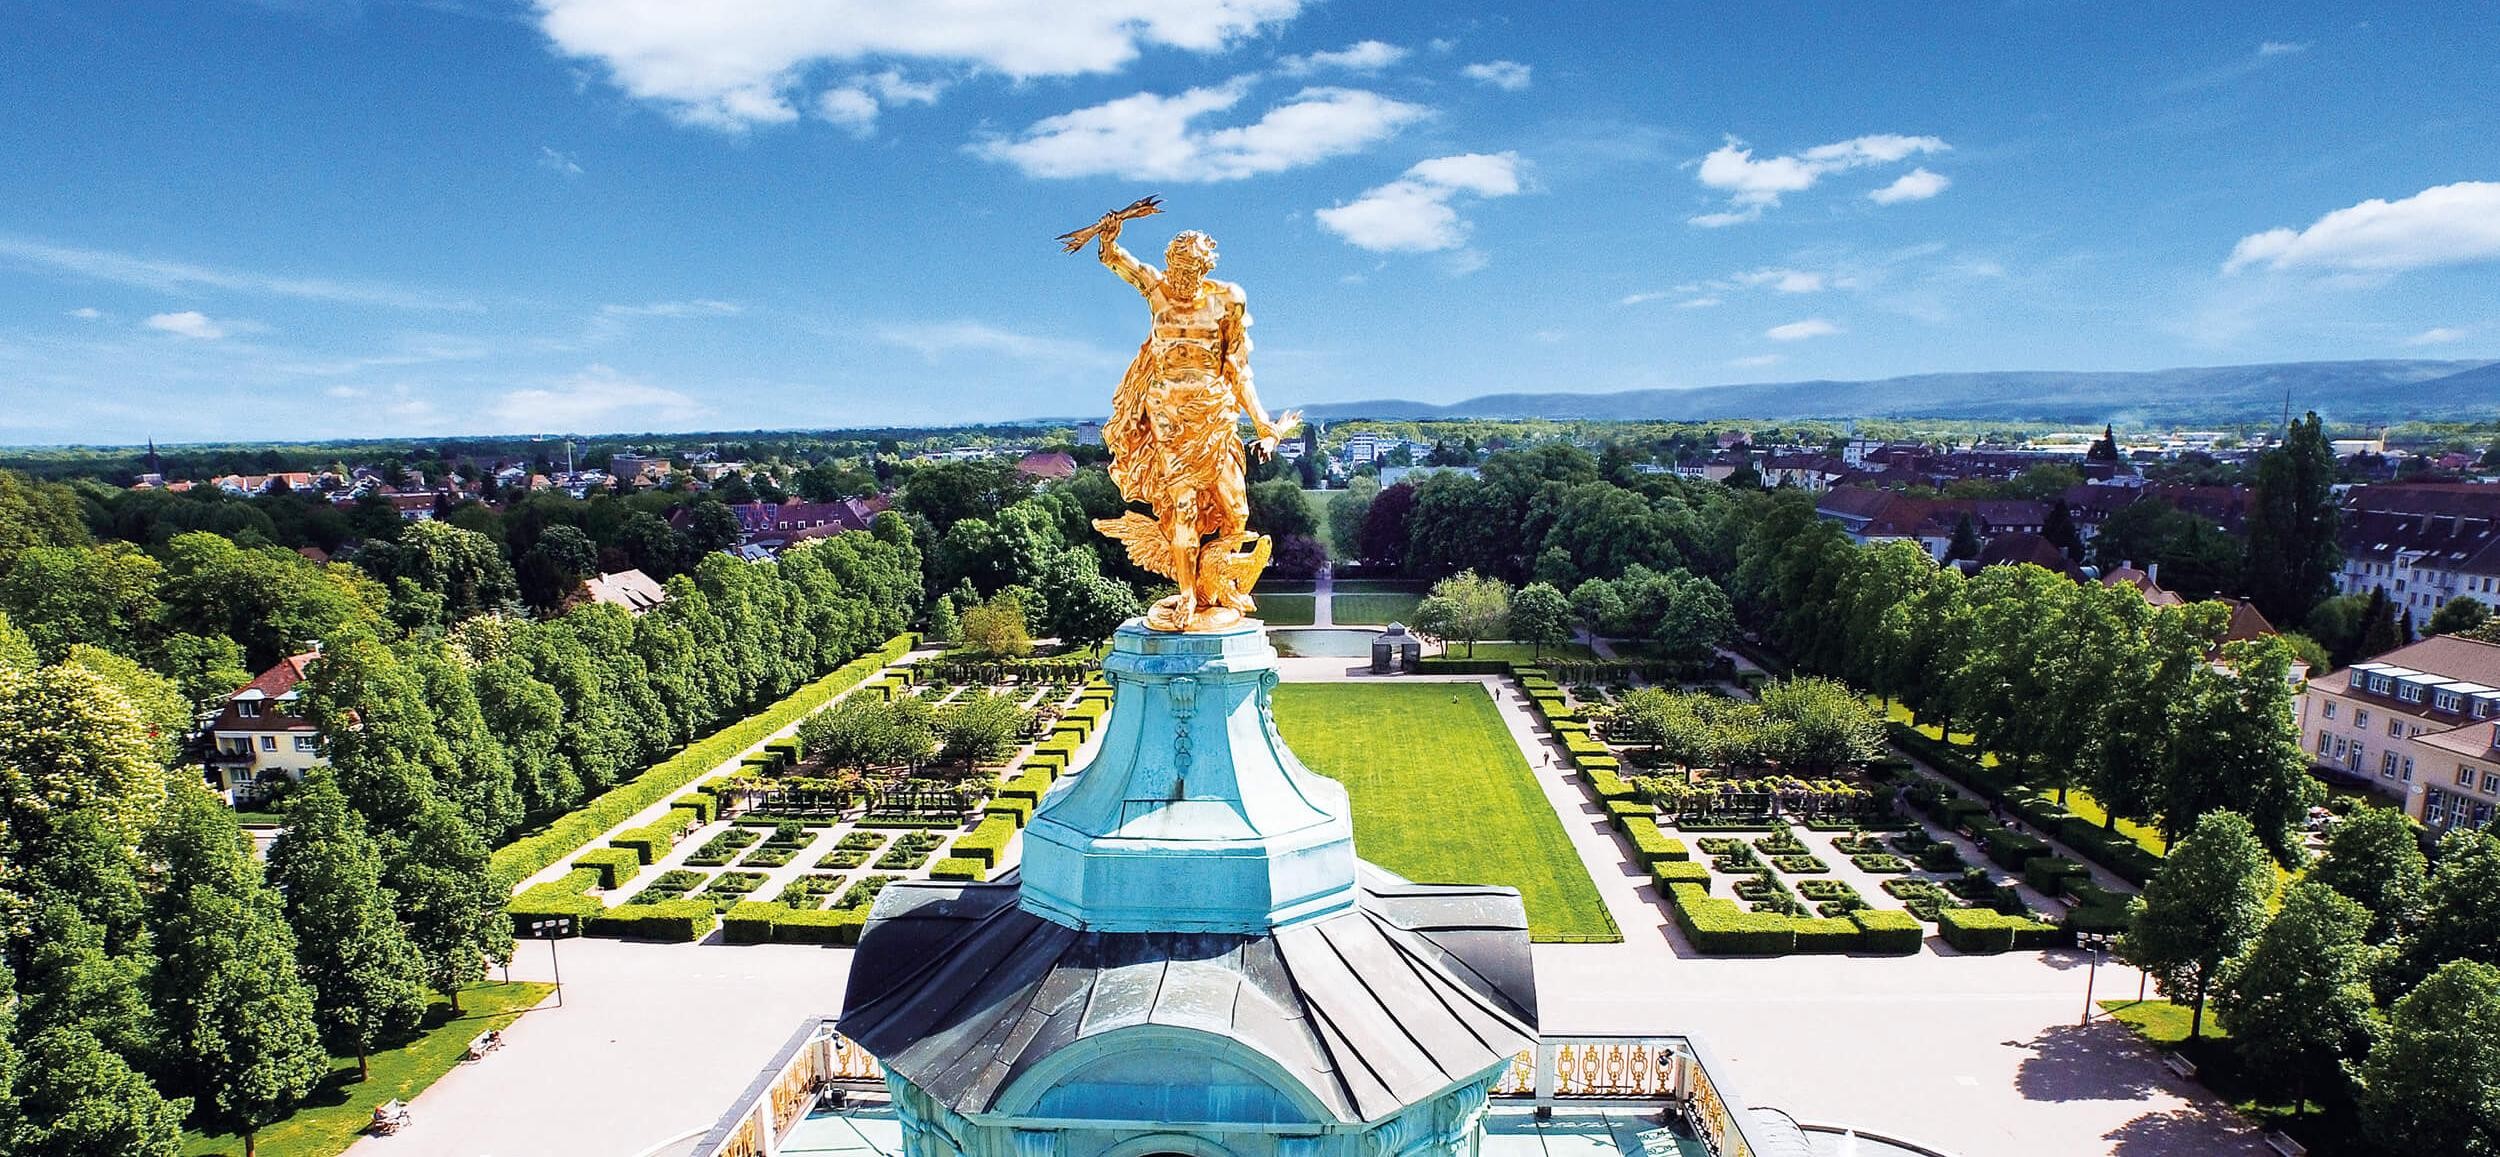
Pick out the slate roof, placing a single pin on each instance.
(961, 991)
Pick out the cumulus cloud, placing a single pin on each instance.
(1508, 75)
(1367, 56)
(1754, 184)
(856, 103)
(1697, 303)
(189, 323)
(1801, 330)
(1149, 136)
(851, 108)
(736, 64)
(1413, 214)
(2437, 335)
(598, 397)
(1916, 185)
(2446, 225)
(560, 163)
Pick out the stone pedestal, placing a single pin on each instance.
(1193, 815)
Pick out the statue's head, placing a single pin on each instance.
(1187, 259)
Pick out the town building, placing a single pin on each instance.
(1046, 465)
(259, 740)
(631, 590)
(2421, 543)
(2415, 725)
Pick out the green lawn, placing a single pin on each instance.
(1380, 587)
(1523, 652)
(1442, 795)
(342, 1107)
(1286, 610)
(2261, 1096)
(2078, 800)
(1375, 610)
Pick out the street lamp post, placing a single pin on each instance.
(551, 930)
(2098, 942)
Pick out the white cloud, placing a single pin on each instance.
(1697, 303)
(1801, 330)
(1640, 298)
(851, 108)
(1916, 185)
(1783, 280)
(188, 323)
(175, 276)
(596, 397)
(937, 340)
(87, 313)
(1754, 184)
(733, 64)
(2437, 335)
(1367, 56)
(558, 162)
(1149, 136)
(698, 307)
(1757, 361)
(2445, 225)
(2280, 48)
(1413, 214)
(1508, 75)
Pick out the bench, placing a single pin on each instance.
(2283, 1144)
(2179, 1064)
(484, 1043)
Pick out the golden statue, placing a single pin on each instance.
(1175, 433)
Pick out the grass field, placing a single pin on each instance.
(1523, 652)
(1375, 610)
(1286, 610)
(1442, 795)
(1380, 587)
(342, 1108)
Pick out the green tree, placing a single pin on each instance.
(2457, 616)
(2203, 907)
(943, 625)
(2298, 999)
(377, 729)
(2461, 908)
(1465, 607)
(449, 900)
(2292, 554)
(980, 728)
(2234, 747)
(996, 629)
(2374, 858)
(1278, 509)
(71, 745)
(104, 596)
(863, 731)
(36, 514)
(367, 981)
(77, 1098)
(1347, 510)
(2433, 1083)
(238, 1022)
(462, 571)
(1083, 607)
(1965, 543)
(1815, 726)
(163, 710)
(204, 667)
(1540, 616)
(556, 564)
(16, 650)
(2381, 632)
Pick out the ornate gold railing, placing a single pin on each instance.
(782, 1094)
(1649, 1071)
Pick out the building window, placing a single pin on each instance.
(247, 708)
(2387, 765)
(269, 743)
(2326, 742)
(2491, 781)
(2465, 776)
(2482, 707)
(2409, 692)
(2435, 807)
(2329, 710)
(2448, 701)
(2380, 683)
(2361, 719)
(307, 744)
(2395, 729)
(2404, 770)
(2358, 678)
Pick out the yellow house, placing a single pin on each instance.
(259, 741)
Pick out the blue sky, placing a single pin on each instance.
(314, 218)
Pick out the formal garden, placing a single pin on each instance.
(926, 771)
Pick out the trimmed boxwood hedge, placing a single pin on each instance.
(523, 857)
(985, 843)
(959, 868)
(1983, 930)
(1816, 934)
(653, 840)
(686, 919)
(1669, 873)
(1890, 931)
(1649, 845)
(756, 921)
(561, 897)
(2048, 875)
(614, 865)
(2008, 848)
(1608, 785)
(1720, 927)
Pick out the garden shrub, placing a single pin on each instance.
(1981, 930)
(1719, 927)
(615, 866)
(1880, 863)
(706, 807)
(567, 833)
(562, 897)
(1014, 810)
(2050, 875)
(681, 919)
(1826, 935)
(1438, 665)
(2008, 848)
(822, 926)
(1610, 786)
(750, 921)
(1623, 811)
(1889, 931)
(1649, 845)
(985, 843)
(959, 868)
(1669, 873)
(653, 840)
(1800, 865)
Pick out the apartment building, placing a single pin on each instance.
(259, 740)
(2417, 725)
(2421, 543)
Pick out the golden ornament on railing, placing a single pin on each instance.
(1175, 429)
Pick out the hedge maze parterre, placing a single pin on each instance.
(720, 845)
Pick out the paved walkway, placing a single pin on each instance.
(1324, 599)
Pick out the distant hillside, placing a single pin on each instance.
(2353, 392)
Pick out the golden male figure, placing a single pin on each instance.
(1175, 434)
